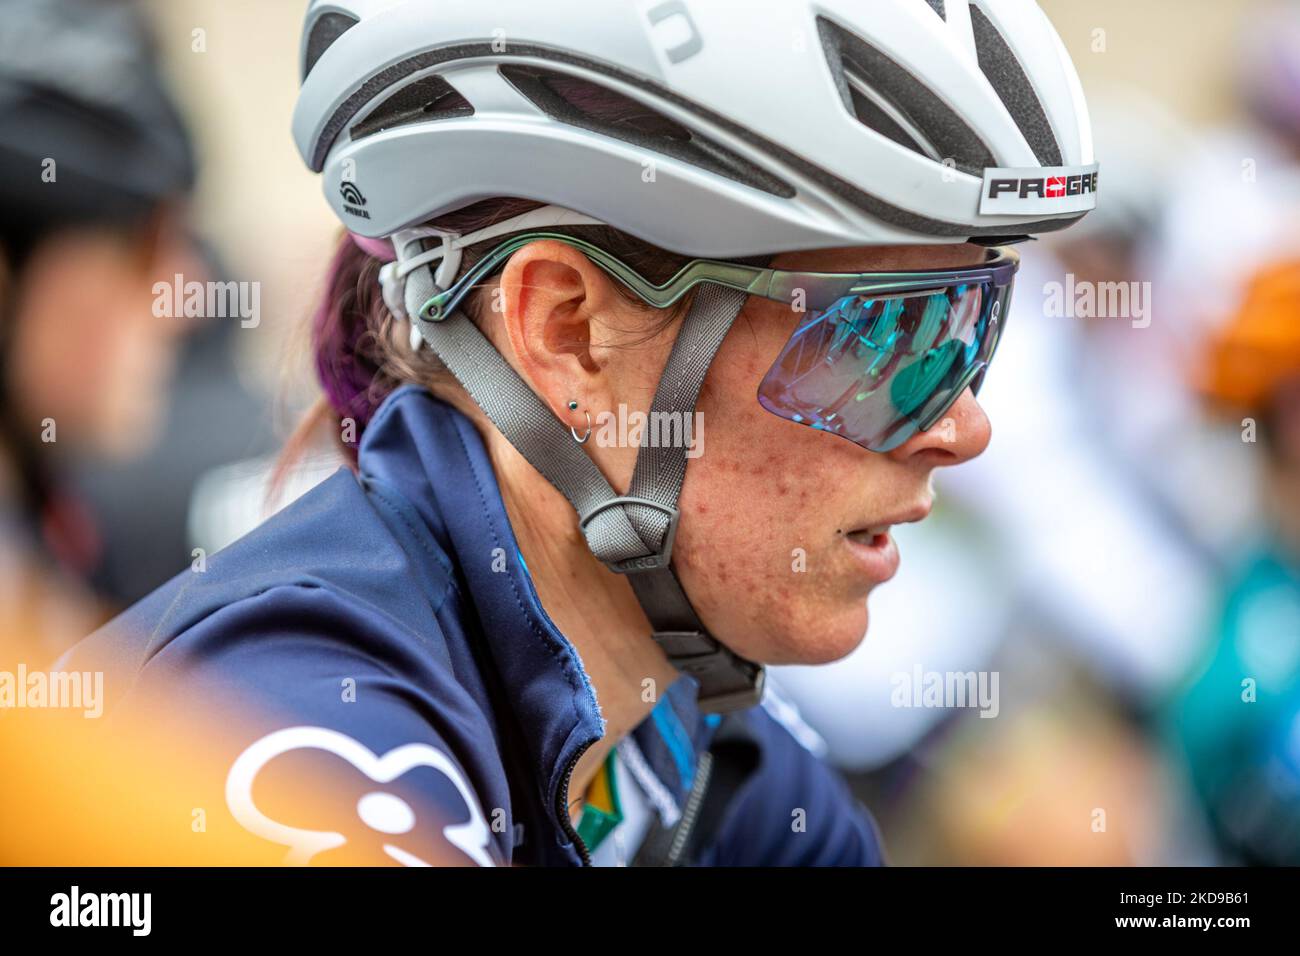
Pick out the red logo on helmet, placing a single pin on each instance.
(1055, 187)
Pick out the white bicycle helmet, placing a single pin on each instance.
(786, 124)
(760, 127)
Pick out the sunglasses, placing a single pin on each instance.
(876, 357)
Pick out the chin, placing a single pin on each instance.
(832, 647)
(810, 639)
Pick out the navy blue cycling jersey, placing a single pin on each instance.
(385, 622)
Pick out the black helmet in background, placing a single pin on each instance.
(88, 132)
(95, 169)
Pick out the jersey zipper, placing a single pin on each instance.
(566, 824)
(703, 770)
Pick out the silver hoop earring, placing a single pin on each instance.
(574, 432)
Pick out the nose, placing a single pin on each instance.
(960, 435)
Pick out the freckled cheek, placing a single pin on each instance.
(746, 503)
(740, 524)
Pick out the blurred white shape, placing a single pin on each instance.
(232, 500)
(1090, 546)
(1137, 141)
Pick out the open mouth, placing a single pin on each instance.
(876, 537)
(874, 551)
(873, 545)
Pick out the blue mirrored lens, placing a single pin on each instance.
(877, 370)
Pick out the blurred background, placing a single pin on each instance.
(1120, 572)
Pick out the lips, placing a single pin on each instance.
(869, 536)
(876, 555)
(873, 546)
(911, 515)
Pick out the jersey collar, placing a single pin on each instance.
(434, 456)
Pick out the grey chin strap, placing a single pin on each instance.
(633, 533)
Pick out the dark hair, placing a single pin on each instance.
(362, 353)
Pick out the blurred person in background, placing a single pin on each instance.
(1234, 206)
(95, 168)
(1237, 720)
(1228, 259)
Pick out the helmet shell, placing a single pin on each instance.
(738, 128)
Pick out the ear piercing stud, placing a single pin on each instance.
(573, 406)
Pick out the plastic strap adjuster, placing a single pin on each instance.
(727, 682)
(647, 562)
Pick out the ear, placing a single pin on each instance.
(548, 299)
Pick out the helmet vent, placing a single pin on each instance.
(328, 28)
(878, 113)
(580, 102)
(938, 8)
(1008, 79)
(888, 99)
(430, 98)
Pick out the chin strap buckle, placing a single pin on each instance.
(648, 562)
(727, 681)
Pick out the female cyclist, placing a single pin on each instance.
(520, 631)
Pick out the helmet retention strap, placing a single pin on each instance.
(632, 534)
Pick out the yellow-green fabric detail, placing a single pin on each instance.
(601, 811)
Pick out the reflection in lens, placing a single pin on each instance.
(873, 369)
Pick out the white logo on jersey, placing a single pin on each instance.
(381, 811)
